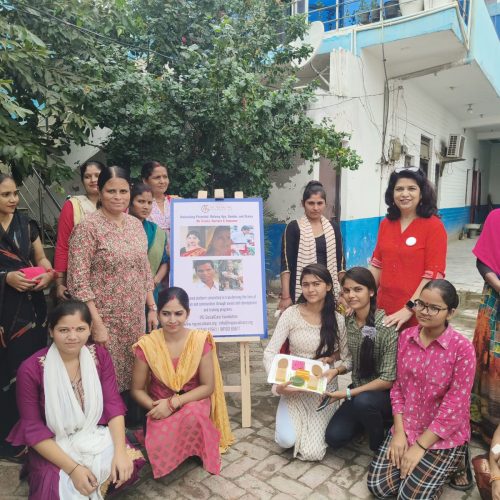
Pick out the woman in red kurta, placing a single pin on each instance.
(411, 246)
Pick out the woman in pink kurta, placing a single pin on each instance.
(109, 270)
(177, 379)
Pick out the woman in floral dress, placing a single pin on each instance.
(109, 270)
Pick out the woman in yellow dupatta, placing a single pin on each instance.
(177, 378)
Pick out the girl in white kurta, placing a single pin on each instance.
(314, 331)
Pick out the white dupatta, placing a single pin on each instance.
(76, 431)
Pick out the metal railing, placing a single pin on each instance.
(41, 205)
(341, 14)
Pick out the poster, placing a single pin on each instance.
(217, 256)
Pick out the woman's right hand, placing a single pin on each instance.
(100, 333)
(18, 281)
(284, 304)
(84, 481)
(60, 292)
(286, 388)
(397, 448)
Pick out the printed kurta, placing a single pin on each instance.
(109, 265)
(433, 386)
(309, 424)
(187, 432)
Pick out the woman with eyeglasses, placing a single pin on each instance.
(411, 246)
(430, 402)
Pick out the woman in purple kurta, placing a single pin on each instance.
(43, 476)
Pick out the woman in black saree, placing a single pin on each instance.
(22, 302)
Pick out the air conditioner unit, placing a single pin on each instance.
(456, 144)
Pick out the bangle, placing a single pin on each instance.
(73, 470)
(494, 478)
(179, 405)
(348, 393)
(423, 447)
(284, 298)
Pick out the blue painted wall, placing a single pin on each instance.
(360, 236)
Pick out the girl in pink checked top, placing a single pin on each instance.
(430, 402)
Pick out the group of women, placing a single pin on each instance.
(412, 372)
(110, 262)
(388, 325)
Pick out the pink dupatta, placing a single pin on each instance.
(487, 248)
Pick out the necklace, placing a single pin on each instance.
(73, 380)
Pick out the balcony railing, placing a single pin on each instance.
(342, 14)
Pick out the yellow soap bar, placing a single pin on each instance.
(305, 374)
(281, 374)
(313, 383)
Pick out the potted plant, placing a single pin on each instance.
(391, 9)
(363, 13)
(409, 7)
(375, 11)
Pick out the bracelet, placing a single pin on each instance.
(494, 478)
(179, 406)
(73, 470)
(423, 448)
(348, 394)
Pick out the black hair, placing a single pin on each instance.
(447, 291)
(108, 173)
(148, 167)
(198, 263)
(329, 328)
(138, 189)
(312, 188)
(427, 206)
(364, 277)
(95, 163)
(194, 232)
(3, 177)
(174, 292)
(68, 308)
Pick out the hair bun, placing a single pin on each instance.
(314, 183)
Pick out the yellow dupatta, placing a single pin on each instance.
(159, 360)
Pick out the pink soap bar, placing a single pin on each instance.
(298, 365)
(32, 272)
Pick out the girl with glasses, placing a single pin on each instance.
(430, 402)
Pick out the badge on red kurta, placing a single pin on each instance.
(411, 241)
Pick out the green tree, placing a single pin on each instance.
(49, 65)
(213, 96)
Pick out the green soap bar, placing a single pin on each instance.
(297, 381)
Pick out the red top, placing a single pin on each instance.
(64, 227)
(405, 258)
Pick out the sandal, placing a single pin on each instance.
(462, 479)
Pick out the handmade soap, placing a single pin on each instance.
(303, 374)
(297, 381)
(298, 365)
(317, 371)
(281, 374)
(313, 383)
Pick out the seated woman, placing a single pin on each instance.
(373, 348)
(72, 415)
(487, 470)
(177, 378)
(314, 331)
(430, 402)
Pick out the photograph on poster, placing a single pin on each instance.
(213, 241)
(217, 275)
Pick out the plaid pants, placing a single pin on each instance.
(425, 482)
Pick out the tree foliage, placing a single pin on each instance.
(205, 86)
(214, 96)
(47, 71)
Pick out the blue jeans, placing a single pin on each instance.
(370, 410)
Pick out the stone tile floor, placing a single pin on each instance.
(255, 467)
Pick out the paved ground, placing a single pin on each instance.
(255, 467)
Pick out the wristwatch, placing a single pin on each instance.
(152, 307)
(410, 305)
